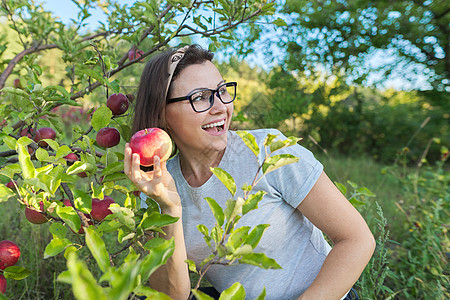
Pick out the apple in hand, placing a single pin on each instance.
(150, 142)
(100, 208)
(108, 137)
(44, 133)
(118, 104)
(34, 216)
(9, 254)
(2, 284)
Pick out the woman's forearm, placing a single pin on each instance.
(173, 277)
(341, 269)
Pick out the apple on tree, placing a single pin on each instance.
(2, 284)
(108, 137)
(44, 133)
(9, 254)
(35, 216)
(10, 185)
(135, 54)
(118, 104)
(100, 208)
(150, 142)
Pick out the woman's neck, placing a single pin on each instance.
(196, 167)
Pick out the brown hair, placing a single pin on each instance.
(151, 99)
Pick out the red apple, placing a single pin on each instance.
(150, 142)
(118, 104)
(9, 254)
(11, 185)
(71, 157)
(135, 54)
(34, 216)
(27, 131)
(2, 284)
(100, 208)
(44, 133)
(17, 83)
(108, 137)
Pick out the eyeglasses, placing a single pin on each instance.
(202, 100)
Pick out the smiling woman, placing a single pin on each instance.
(183, 92)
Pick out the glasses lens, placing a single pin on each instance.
(200, 100)
(227, 92)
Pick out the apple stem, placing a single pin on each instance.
(146, 132)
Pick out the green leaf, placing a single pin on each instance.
(10, 142)
(217, 210)
(157, 257)
(69, 216)
(28, 170)
(55, 247)
(233, 208)
(58, 230)
(201, 296)
(16, 272)
(366, 192)
(279, 22)
(262, 296)
(97, 248)
(5, 193)
(226, 179)
(42, 154)
(63, 151)
(255, 235)
(237, 238)
(150, 293)
(252, 202)
(204, 230)
(341, 187)
(113, 168)
(259, 260)
(234, 292)
(156, 220)
(124, 215)
(84, 285)
(101, 118)
(250, 141)
(277, 161)
(191, 265)
(78, 167)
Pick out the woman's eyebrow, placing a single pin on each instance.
(201, 89)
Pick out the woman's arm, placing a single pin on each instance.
(331, 212)
(173, 277)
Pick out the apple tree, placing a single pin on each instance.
(72, 175)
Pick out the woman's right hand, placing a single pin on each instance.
(157, 184)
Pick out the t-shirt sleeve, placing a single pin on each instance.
(295, 181)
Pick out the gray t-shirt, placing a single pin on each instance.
(291, 239)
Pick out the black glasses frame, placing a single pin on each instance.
(211, 98)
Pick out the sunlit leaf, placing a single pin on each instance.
(217, 210)
(226, 179)
(234, 292)
(250, 141)
(277, 161)
(98, 248)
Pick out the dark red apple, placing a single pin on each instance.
(44, 133)
(2, 284)
(34, 216)
(150, 142)
(118, 104)
(27, 131)
(11, 185)
(108, 137)
(9, 254)
(17, 83)
(135, 54)
(100, 208)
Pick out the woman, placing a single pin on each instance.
(183, 93)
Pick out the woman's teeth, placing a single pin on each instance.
(221, 123)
